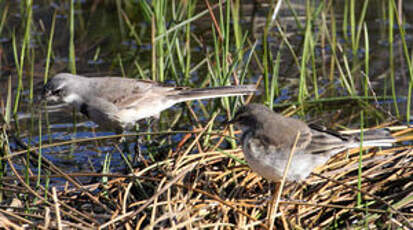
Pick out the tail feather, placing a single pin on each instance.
(377, 137)
(333, 143)
(205, 93)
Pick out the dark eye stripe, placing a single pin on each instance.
(57, 91)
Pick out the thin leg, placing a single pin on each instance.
(138, 151)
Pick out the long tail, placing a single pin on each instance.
(377, 137)
(205, 93)
(332, 142)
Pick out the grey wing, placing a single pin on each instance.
(127, 92)
(269, 160)
(102, 112)
(285, 139)
(327, 142)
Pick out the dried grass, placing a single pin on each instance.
(208, 189)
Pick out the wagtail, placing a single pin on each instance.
(268, 139)
(118, 103)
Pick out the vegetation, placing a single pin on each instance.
(332, 62)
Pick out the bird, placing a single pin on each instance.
(268, 138)
(118, 103)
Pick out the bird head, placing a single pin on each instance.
(63, 88)
(249, 115)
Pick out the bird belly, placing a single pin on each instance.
(258, 160)
(270, 162)
(133, 114)
(303, 164)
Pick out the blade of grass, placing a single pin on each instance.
(391, 56)
(72, 57)
(20, 64)
(408, 61)
(265, 56)
(49, 48)
(274, 80)
(4, 14)
(366, 61)
(303, 91)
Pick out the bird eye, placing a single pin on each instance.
(57, 92)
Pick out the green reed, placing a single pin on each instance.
(121, 67)
(302, 89)
(159, 26)
(49, 48)
(72, 56)
(265, 57)
(274, 81)
(345, 21)
(4, 13)
(332, 39)
(237, 28)
(120, 21)
(408, 60)
(366, 61)
(391, 56)
(20, 62)
(295, 15)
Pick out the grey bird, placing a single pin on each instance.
(118, 103)
(268, 139)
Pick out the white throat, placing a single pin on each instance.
(73, 99)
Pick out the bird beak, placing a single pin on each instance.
(46, 94)
(40, 93)
(42, 90)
